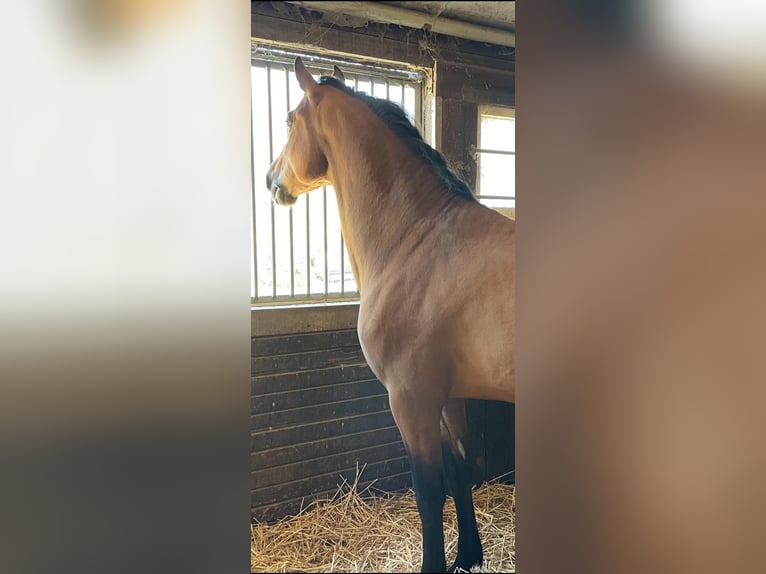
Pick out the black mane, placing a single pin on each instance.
(396, 119)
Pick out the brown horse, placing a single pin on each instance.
(435, 271)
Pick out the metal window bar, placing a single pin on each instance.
(326, 259)
(271, 60)
(252, 198)
(273, 227)
(290, 212)
(308, 246)
(493, 151)
(342, 264)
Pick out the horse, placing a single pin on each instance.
(435, 273)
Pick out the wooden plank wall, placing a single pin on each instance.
(318, 413)
(460, 90)
(287, 24)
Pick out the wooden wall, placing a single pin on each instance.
(318, 413)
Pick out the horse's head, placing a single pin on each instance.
(302, 165)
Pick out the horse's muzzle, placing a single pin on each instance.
(279, 193)
(281, 196)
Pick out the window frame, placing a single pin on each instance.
(485, 110)
(361, 70)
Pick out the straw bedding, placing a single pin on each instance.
(356, 532)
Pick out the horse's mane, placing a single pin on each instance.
(396, 119)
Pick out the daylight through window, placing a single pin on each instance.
(496, 159)
(298, 253)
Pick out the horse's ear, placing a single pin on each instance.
(338, 75)
(305, 80)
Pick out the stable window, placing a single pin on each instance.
(496, 159)
(298, 254)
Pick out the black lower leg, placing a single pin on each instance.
(428, 482)
(458, 473)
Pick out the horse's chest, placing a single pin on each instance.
(395, 343)
(371, 354)
(377, 342)
(372, 338)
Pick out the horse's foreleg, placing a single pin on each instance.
(419, 426)
(457, 468)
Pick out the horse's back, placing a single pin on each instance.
(482, 322)
(444, 311)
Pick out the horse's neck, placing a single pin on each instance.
(384, 195)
